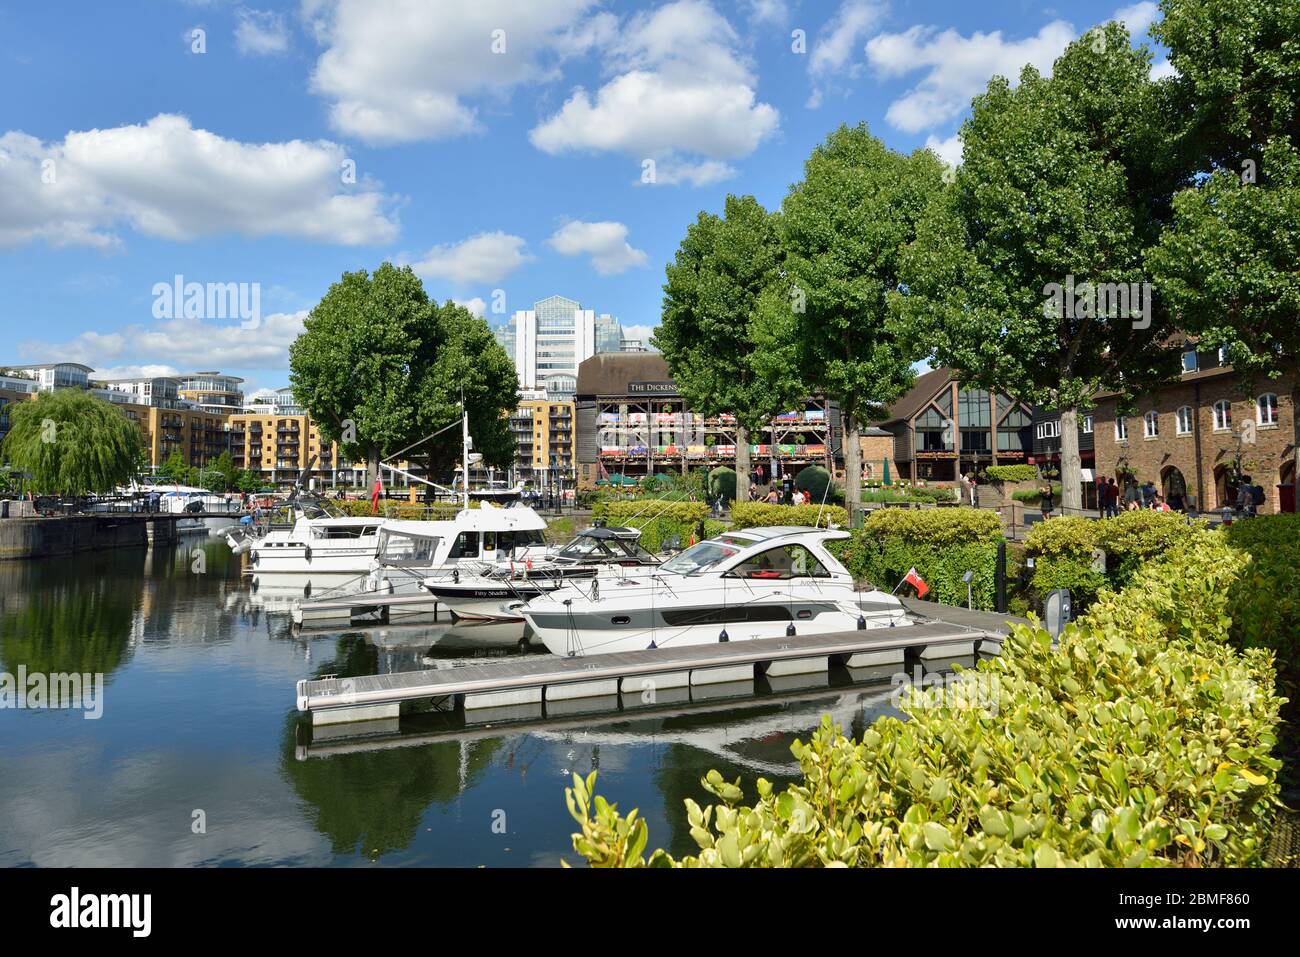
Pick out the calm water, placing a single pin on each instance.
(198, 714)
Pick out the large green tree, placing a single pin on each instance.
(379, 367)
(1230, 263)
(1019, 273)
(711, 299)
(843, 228)
(72, 442)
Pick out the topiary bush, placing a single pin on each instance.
(1143, 739)
(760, 514)
(722, 482)
(816, 481)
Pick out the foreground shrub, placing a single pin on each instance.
(616, 513)
(1265, 604)
(760, 514)
(1144, 739)
(941, 544)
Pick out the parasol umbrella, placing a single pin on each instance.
(886, 473)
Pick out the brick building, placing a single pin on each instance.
(1193, 438)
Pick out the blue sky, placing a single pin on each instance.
(503, 166)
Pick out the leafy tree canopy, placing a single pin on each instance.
(72, 442)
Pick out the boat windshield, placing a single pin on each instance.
(399, 549)
(705, 555)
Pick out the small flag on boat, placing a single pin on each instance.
(917, 582)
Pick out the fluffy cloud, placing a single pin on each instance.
(486, 257)
(606, 243)
(261, 33)
(395, 73)
(949, 150)
(476, 305)
(838, 40)
(959, 67)
(167, 179)
(681, 89)
(641, 333)
(177, 344)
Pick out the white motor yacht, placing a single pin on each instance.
(497, 593)
(754, 583)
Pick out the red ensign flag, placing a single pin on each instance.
(917, 582)
(374, 496)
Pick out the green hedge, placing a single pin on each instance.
(392, 508)
(1144, 739)
(1011, 473)
(941, 544)
(1063, 549)
(760, 514)
(615, 513)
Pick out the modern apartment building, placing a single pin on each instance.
(543, 432)
(13, 388)
(552, 339)
(213, 391)
(279, 446)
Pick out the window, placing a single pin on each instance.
(1013, 431)
(934, 432)
(1185, 420)
(466, 546)
(783, 562)
(1121, 429)
(1266, 409)
(1222, 415)
(1151, 424)
(973, 408)
(1189, 360)
(1049, 430)
(1087, 425)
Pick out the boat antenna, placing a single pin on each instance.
(465, 443)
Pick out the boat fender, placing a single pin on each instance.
(789, 630)
(306, 552)
(862, 622)
(455, 576)
(724, 636)
(253, 556)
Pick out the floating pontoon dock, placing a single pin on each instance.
(531, 680)
(363, 605)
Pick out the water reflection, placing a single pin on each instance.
(201, 716)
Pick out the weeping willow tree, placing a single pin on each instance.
(71, 442)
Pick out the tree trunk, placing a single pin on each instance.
(742, 463)
(852, 465)
(372, 467)
(1071, 466)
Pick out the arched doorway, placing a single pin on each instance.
(1286, 494)
(1225, 486)
(1173, 486)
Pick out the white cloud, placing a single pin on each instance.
(176, 345)
(398, 71)
(167, 179)
(1162, 70)
(606, 243)
(261, 33)
(1138, 18)
(775, 12)
(838, 40)
(476, 305)
(485, 257)
(671, 171)
(949, 150)
(681, 89)
(958, 67)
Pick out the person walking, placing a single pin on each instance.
(1148, 494)
(1131, 495)
(1100, 486)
